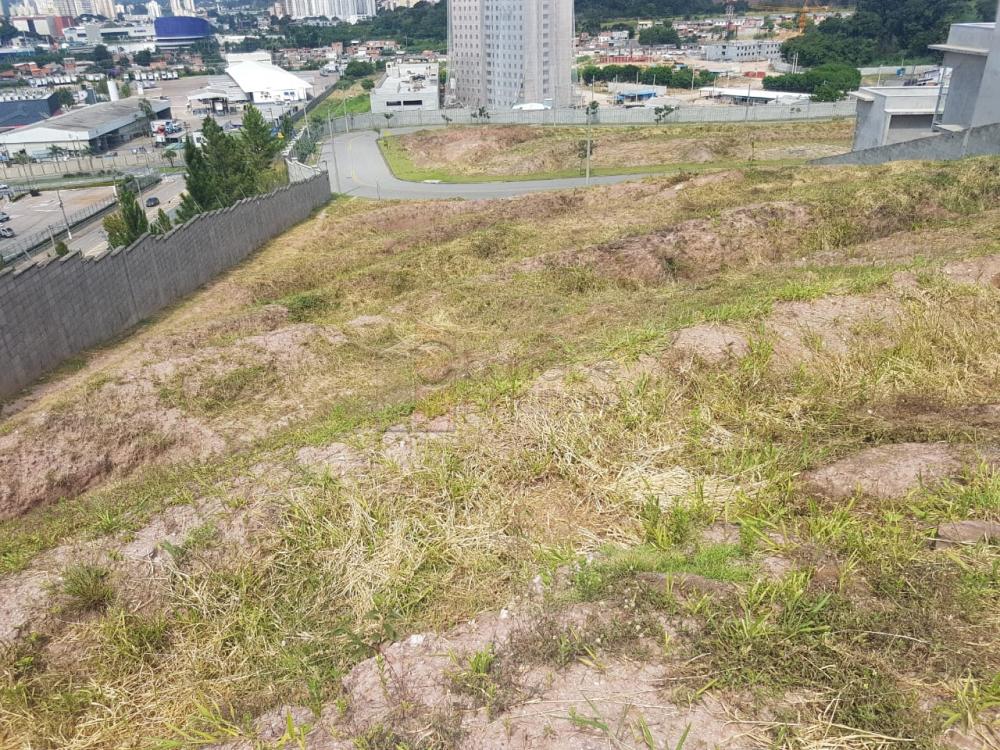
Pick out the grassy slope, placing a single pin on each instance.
(484, 153)
(345, 566)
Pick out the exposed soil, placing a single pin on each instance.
(745, 236)
(886, 472)
(711, 343)
(830, 325)
(409, 693)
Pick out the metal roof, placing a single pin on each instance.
(104, 115)
(251, 75)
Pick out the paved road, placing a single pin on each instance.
(91, 238)
(364, 173)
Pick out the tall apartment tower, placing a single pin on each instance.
(507, 52)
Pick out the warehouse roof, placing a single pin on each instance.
(251, 75)
(102, 116)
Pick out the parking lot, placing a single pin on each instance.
(31, 215)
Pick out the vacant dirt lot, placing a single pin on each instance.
(521, 150)
(690, 462)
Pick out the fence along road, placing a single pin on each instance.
(359, 168)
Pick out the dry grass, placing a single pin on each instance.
(519, 151)
(620, 451)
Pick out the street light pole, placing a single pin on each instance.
(69, 234)
(333, 150)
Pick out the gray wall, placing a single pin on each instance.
(50, 311)
(981, 141)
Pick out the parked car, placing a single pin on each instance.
(152, 201)
(7, 232)
(4, 217)
(110, 155)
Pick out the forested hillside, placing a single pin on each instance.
(885, 30)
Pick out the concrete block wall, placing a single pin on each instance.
(52, 310)
(979, 141)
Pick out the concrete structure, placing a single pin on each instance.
(972, 53)
(182, 7)
(52, 310)
(507, 52)
(350, 11)
(743, 51)
(968, 99)
(110, 34)
(979, 140)
(892, 114)
(96, 128)
(407, 86)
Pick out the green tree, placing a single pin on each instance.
(663, 112)
(125, 90)
(128, 223)
(367, 84)
(200, 194)
(143, 57)
(61, 249)
(663, 34)
(162, 223)
(260, 147)
(170, 155)
(101, 54)
(147, 110)
(358, 69)
(65, 97)
(228, 173)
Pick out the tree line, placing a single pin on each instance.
(654, 75)
(226, 168)
(827, 83)
(888, 31)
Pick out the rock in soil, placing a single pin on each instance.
(967, 532)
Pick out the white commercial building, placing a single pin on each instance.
(264, 83)
(507, 52)
(746, 51)
(407, 86)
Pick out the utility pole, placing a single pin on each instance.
(333, 150)
(69, 234)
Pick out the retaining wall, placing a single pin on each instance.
(51, 310)
(979, 141)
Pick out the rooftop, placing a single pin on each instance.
(410, 77)
(252, 75)
(97, 115)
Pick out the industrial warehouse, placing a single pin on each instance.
(90, 130)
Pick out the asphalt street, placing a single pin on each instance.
(364, 173)
(92, 239)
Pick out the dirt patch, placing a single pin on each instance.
(885, 472)
(414, 690)
(24, 600)
(829, 324)
(403, 443)
(984, 271)
(338, 459)
(292, 345)
(711, 343)
(73, 451)
(746, 236)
